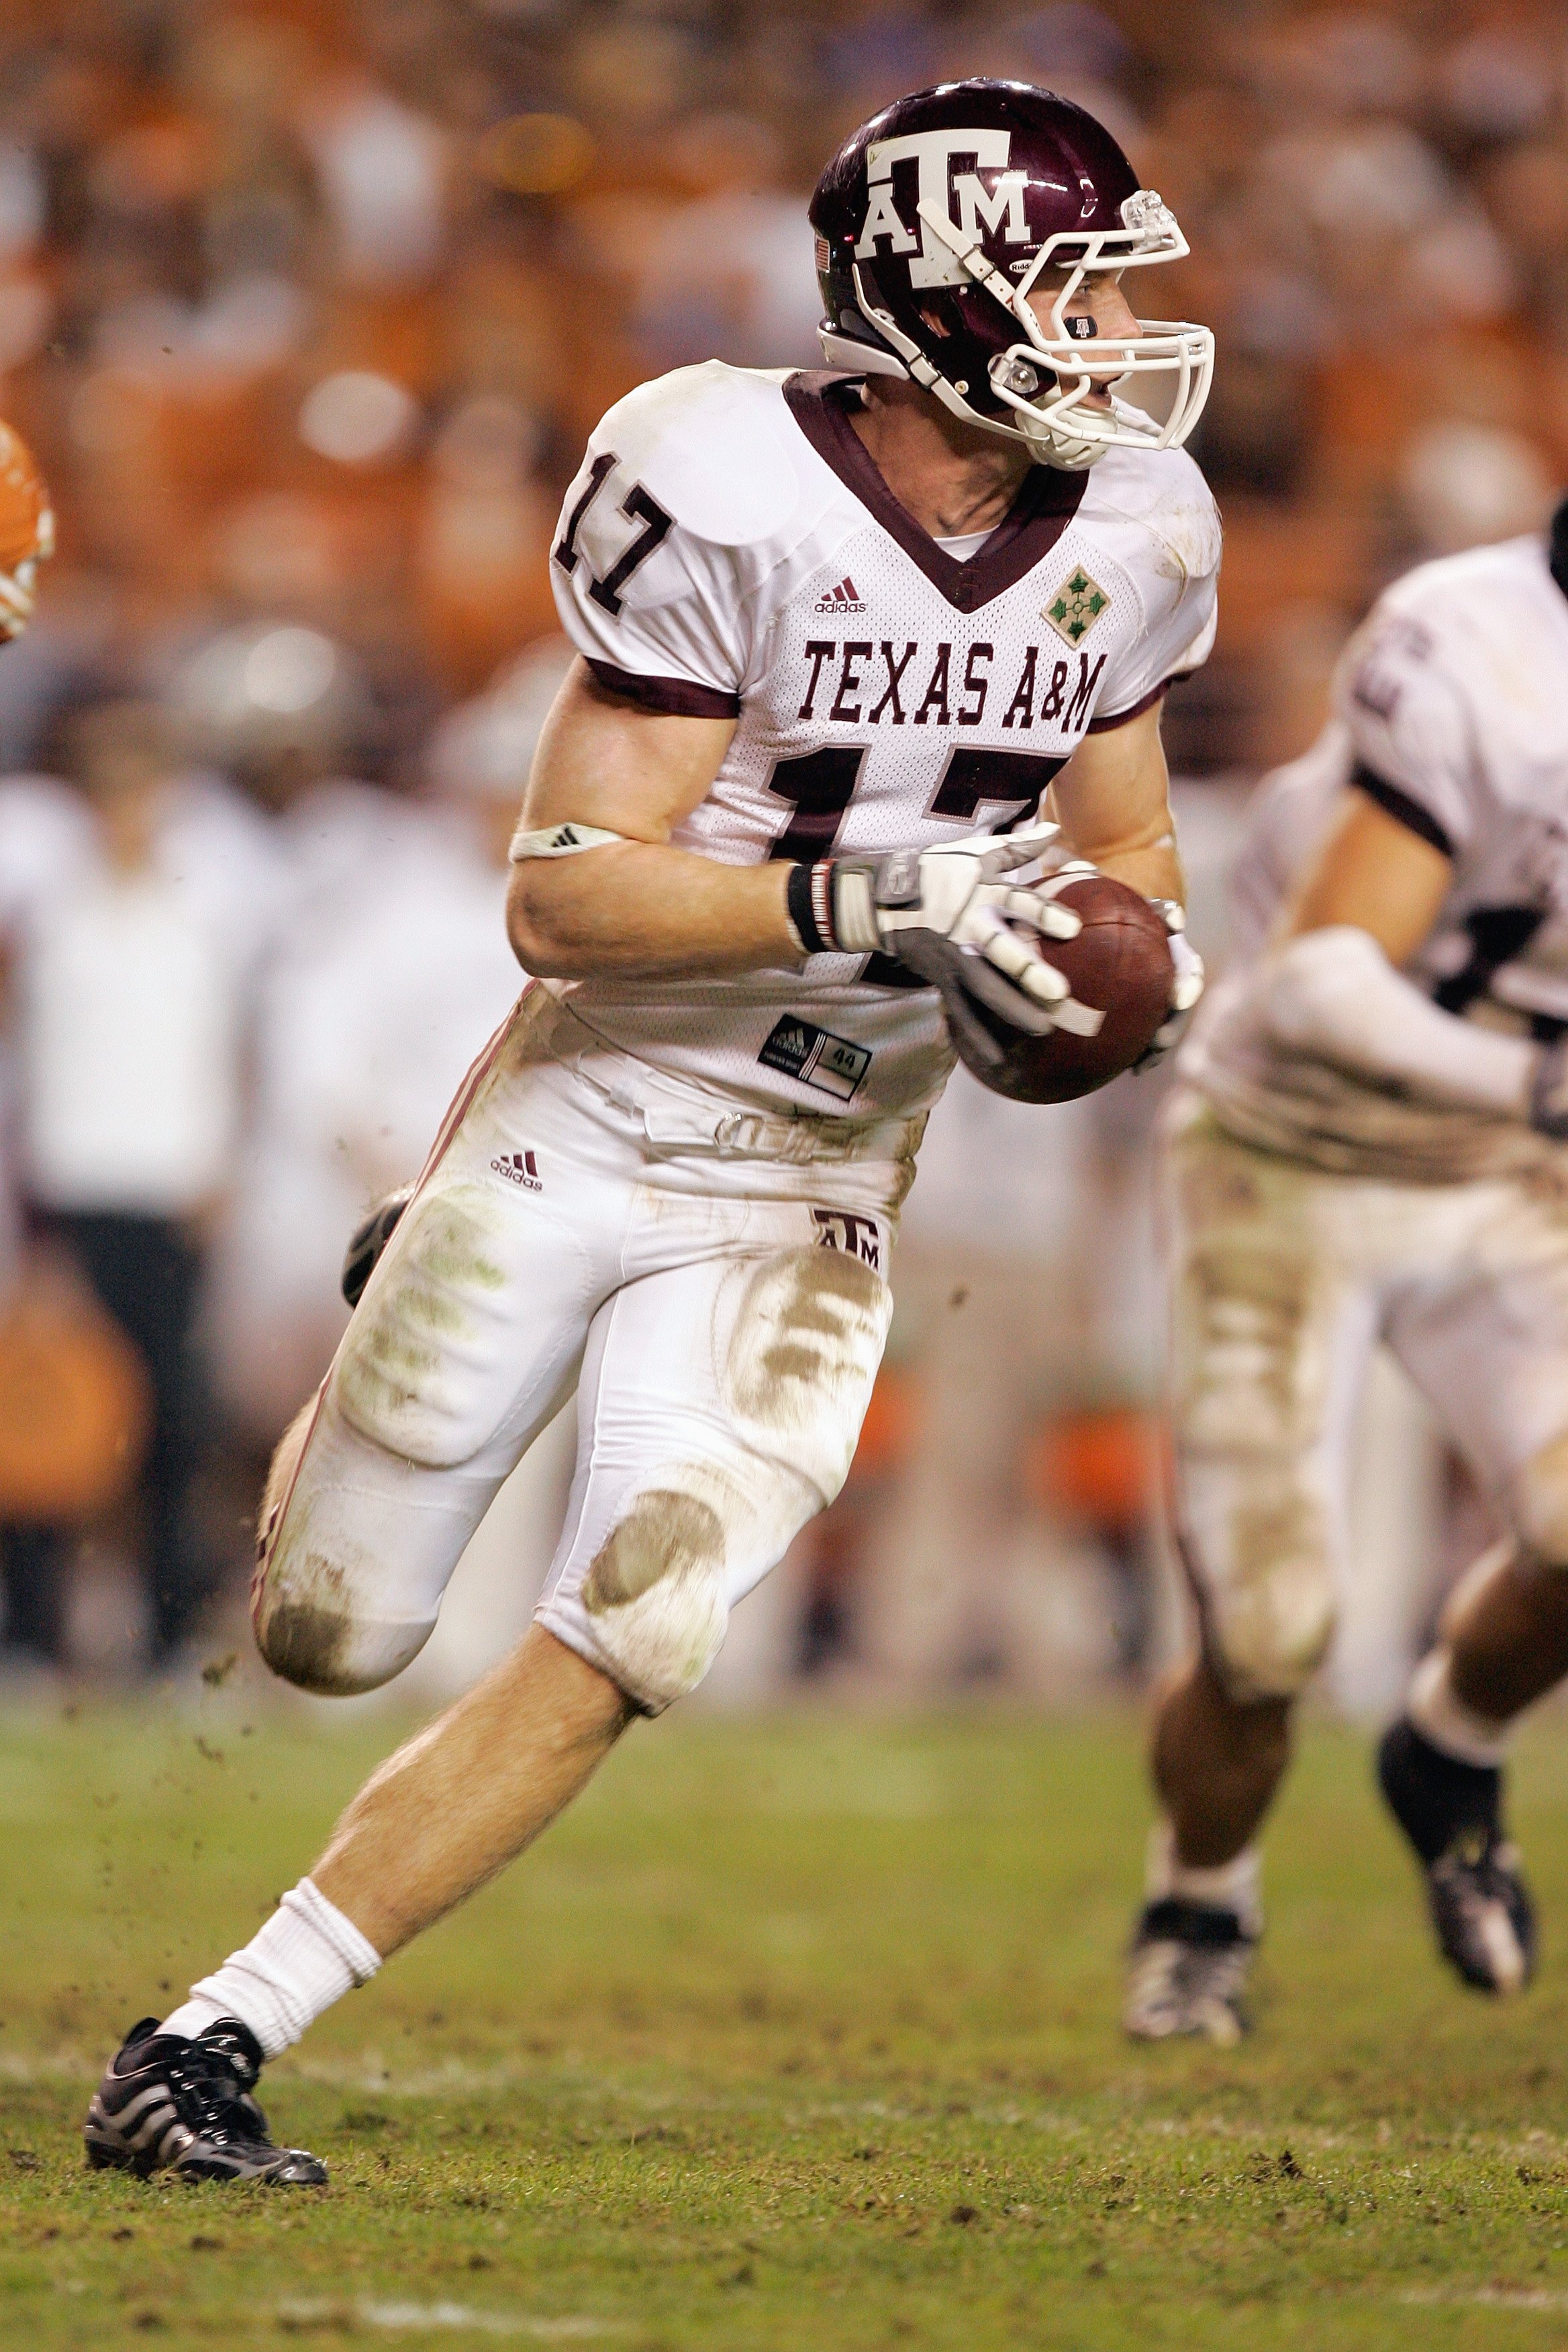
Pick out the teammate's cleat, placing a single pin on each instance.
(1187, 1974)
(167, 2102)
(1452, 1814)
(1483, 1914)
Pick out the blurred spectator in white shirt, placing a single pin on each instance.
(44, 836)
(382, 169)
(729, 275)
(133, 971)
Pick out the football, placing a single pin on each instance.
(1119, 964)
(26, 522)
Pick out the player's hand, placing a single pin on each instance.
(1187, 984)
(953, 914)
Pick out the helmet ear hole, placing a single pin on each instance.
(1015, 374)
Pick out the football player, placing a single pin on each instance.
(838, 634)
(1369, 1145)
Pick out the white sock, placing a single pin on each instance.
(1444, 1719)
(1235, 1885)
(306, 1957)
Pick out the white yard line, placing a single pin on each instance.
(398, 2316)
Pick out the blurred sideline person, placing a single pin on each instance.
(45, 837)
(672, 1183)
(1368, 1145)
(954, 1590)
(131, 975)
(394, 969)
(39, 836)
(287, 710)
(391, 970)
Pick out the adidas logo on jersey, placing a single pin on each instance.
(518, 1167)
(845, 598)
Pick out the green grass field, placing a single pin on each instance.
(798, 2032)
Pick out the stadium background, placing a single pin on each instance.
(306, 310)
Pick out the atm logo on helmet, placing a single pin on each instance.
(999, 208)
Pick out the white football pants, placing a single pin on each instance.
(711, 1279)
(1283, 1278)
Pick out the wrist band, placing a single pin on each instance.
(566, 840)
(809, 899)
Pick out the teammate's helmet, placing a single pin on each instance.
(934, 221)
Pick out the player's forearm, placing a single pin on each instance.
(1113, 801)
(1155, 871)
(1333, 996)
(644, 909)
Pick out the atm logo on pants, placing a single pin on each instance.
(838, 1229)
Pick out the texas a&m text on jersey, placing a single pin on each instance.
(708, 546)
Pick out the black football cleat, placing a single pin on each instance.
(1187, 1974)
(369, 1239)
(167, 2102)
(1452, 1814)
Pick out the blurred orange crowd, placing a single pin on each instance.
(308, 306)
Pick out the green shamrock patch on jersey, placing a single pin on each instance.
(1076, 607)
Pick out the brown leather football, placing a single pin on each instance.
(1119, 964)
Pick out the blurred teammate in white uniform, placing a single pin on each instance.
(838, 634)
(1370, 1145)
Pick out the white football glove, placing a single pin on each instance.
(1186, 984)
(948, 913)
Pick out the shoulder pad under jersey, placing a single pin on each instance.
(714, 444)
(1164, 492)
(1464, 588)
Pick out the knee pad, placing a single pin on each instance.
(1257, 1548)
(1538, 1504)
(334, 1651)
(655, 1595)
(310, 1625)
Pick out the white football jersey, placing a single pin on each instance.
(1451, 710)
(729, 550)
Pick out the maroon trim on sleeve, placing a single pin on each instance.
(1399, 805)
(1134, 709)
(677, 697)
(1046, 502)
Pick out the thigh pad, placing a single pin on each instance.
(480, 1298)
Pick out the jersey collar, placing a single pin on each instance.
(1045, 505)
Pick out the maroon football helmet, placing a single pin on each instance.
(933, 223)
